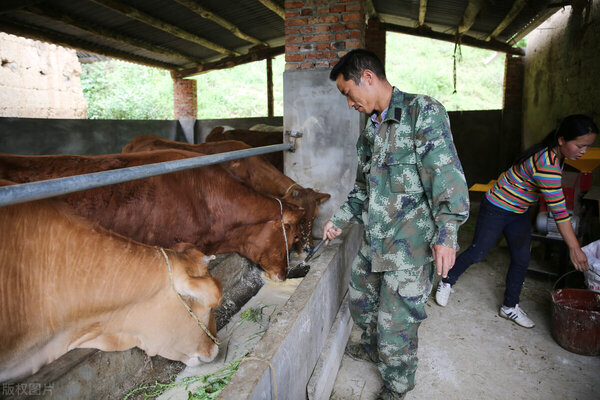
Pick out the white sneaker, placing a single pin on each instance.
(443, 293)
(516, 315)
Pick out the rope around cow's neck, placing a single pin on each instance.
(287, 251)
(187, 307)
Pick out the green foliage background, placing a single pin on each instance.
(418, 65)
(120, 90)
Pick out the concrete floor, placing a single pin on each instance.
(466, 351)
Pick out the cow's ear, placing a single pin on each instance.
(322, 197)
(206, 290)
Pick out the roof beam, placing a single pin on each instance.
(204, 13)
(512, 14)
(61, 39)
(271, 5)
(104, 33)
(10, 5)
(147, 19)
(370, 9)
(228, 62)
(422, 12)
(466, 40)
(469, 16)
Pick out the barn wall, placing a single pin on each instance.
(561, 70)
(479, 142)
(71, 136)
(39, 80)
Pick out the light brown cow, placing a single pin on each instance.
(255, 171)
(67, 283)
(205, 206)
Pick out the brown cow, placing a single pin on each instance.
(253, 139)
(205, 206)
(67, 283)
(255, 171)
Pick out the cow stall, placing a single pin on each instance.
(61, 382)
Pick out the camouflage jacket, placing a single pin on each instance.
(410, 191)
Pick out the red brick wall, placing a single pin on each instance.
(513, 81)
(185, 98)
(319, 32)
(375, 39)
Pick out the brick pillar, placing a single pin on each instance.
(375, 38)
(514, 70)
(319, 32)
(512, 114)
(185, 98)
(185, 106)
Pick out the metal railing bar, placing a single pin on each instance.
(24, 192)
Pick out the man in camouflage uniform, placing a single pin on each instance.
(411, 195)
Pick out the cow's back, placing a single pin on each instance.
(206, 206)
(253, 139)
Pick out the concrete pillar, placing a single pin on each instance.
(185, 105)
(318, 33)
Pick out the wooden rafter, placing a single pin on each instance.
(62, 39)
(204, 13)
(271, 5)
(147, 19)
(422, 12)
(228, 62)
(270, 100)
(71, 20)
(466, 40)
(9, 5)
(469, 16)
(370, 8)
(512, 14)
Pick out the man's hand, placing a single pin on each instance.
(330, 232)
(444, 259)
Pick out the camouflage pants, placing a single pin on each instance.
(389, 307)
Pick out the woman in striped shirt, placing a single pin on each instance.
(536, 173)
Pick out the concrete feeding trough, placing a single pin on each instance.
(299, 354)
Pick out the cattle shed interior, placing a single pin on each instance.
(466, 351)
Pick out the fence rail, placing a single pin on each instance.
(24, 192)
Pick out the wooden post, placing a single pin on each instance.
(270, 100)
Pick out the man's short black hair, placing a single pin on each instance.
(353, 64)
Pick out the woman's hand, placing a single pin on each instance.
(579, 259)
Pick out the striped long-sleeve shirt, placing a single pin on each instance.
(522, 185)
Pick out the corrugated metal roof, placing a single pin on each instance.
(170, 34)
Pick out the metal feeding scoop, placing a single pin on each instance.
(301, 269)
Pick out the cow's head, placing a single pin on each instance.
(308, 199)
(266, 244)
(182, 338)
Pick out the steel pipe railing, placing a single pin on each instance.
(24, 192)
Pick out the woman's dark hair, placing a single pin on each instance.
(570, 128)
(353, 63)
